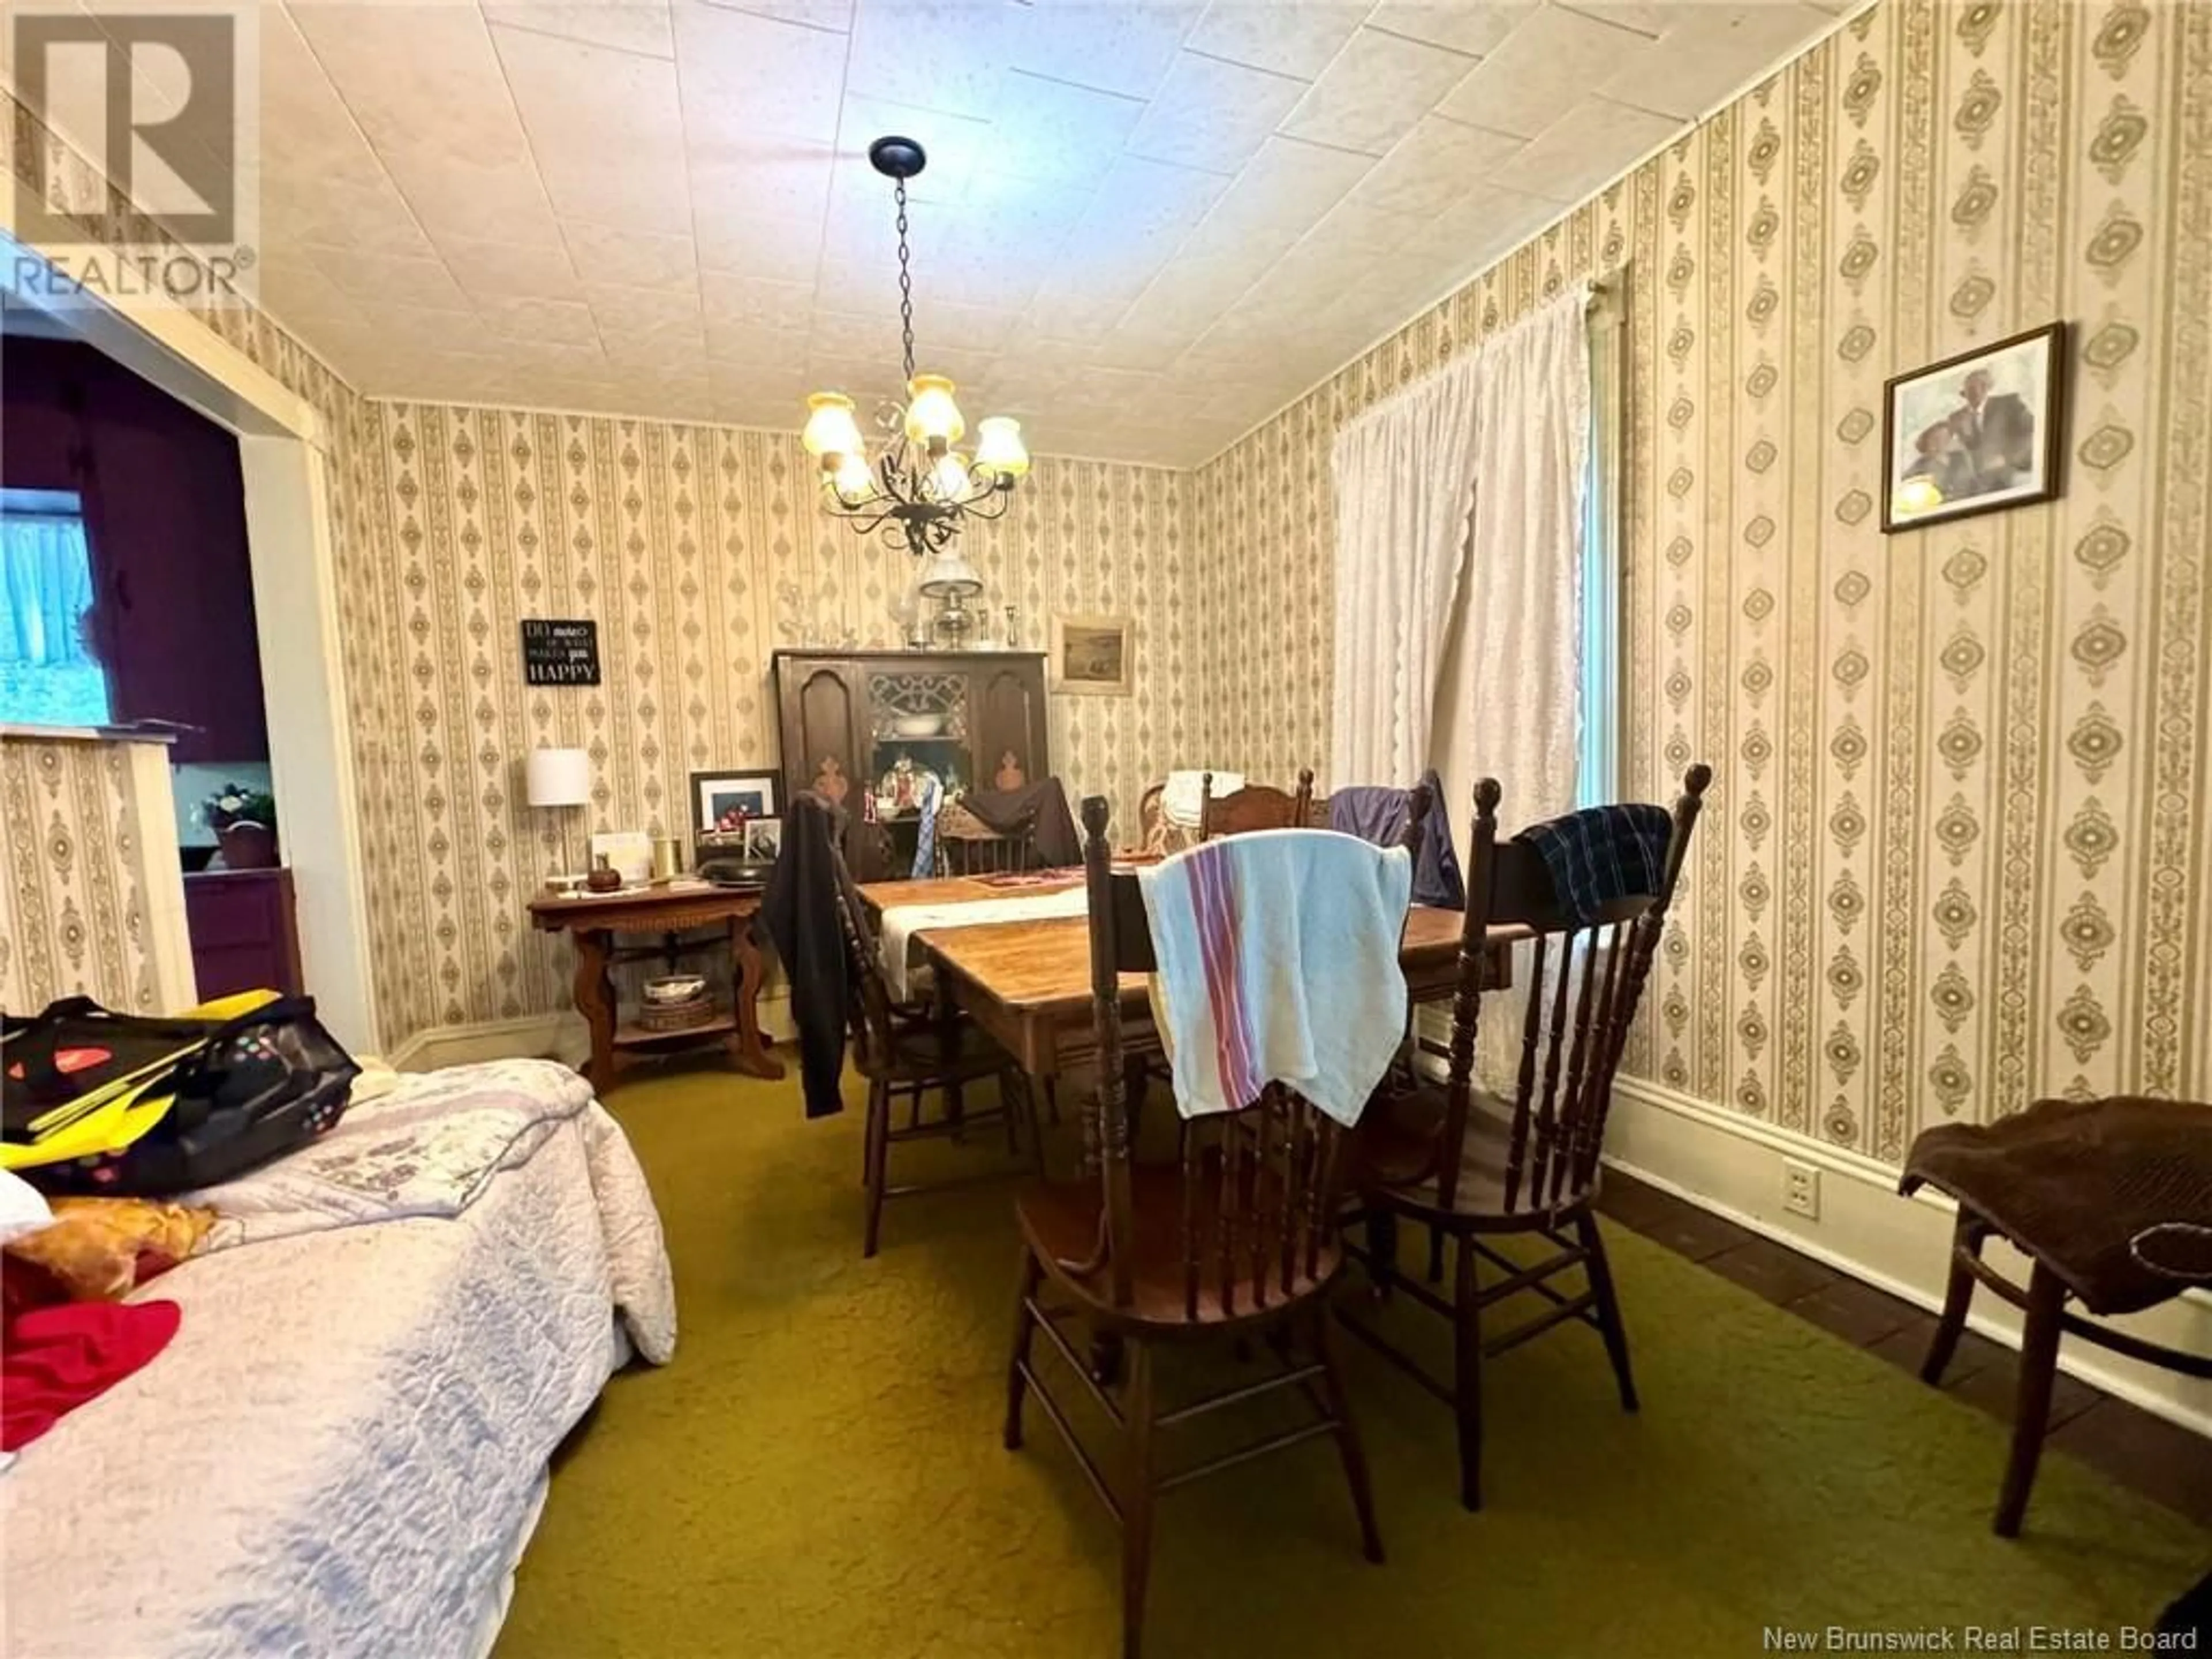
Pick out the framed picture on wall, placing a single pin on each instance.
(1977, 433)
(720, 799)
(1093, 655)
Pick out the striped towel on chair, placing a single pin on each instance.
(1278, 956)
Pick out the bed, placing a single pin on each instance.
(344, 1449)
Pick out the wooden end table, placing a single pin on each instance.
(594, 919)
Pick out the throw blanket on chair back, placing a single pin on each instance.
(1278, 955)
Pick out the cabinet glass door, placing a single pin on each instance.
(922, 729)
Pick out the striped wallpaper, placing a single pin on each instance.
(1957, 854)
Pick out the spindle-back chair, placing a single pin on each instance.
(1255, 806)
(1237, 1238)
(1471, 1166)
(910, 1050)
(966, 846)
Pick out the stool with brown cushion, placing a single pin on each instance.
(2105, 1198)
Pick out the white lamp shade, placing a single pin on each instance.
(999, 445)
(949, 575)
(558, 777)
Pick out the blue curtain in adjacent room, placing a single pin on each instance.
(47, 675)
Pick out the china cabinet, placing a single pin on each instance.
(868, 729)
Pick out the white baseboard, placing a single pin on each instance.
(1732, 1166)
(558, 1037)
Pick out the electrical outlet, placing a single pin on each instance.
(1801, 1190)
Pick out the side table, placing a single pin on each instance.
(595, 918)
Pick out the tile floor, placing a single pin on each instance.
(2160, 1460)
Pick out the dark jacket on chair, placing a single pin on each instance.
(799, 913)
(1040, 807)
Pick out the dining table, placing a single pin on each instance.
(1027, 981)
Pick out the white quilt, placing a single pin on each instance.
(344, 1446)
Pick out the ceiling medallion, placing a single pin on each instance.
(920, 490)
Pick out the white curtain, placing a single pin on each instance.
(1460, 530)
(1509, 697)
(1404, 486)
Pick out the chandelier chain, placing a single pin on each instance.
(906, 285)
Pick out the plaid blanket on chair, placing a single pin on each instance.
(1602, 854)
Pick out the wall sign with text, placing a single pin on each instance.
(560, 653)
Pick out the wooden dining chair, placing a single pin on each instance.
(1237, 1239)
(1474, 1167)
(966, 846)
(1255, 806)
(910, 1051)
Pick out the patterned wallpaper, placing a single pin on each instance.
(368, 642)
(699, 550)
(73, 910)
(1955, 854)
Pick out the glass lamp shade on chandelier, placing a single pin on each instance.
(919, 490)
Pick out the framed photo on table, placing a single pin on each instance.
(1977, 433)
(720, 799)
(1093, 655)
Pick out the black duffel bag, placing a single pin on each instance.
(118, 1104)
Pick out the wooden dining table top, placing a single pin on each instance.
(1029, 980)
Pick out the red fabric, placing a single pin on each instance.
(54, 1359)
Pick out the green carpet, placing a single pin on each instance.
(818, 1475)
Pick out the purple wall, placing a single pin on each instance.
(165, 516)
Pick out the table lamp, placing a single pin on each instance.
(558, 778)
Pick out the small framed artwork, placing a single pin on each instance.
(629, 851)
(1977, 433)
(763, 840)
(720, 799)
(1093, 655)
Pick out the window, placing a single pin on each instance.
(48, 673)
(1597, 780)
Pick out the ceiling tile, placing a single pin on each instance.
(754, 302)
(1111, 45)
(293, 288)
(1288, 185)
(779, 250)
(1433, 167)
(1477, 26)
(784, 77)
(1213, 114)
(633, 314)
(605, 256)
(934, 54)
(835, 15)
(1543, 66)
(497, 198)
(541, 322)
(639, 25)
(1375, 91)
(957, 149)
(1049, 129)
(392, 278)
(595, 115)
(488, 271)
(1651, 17)
(1291, 37)
(1709, 53)
(781, 178)
(1592, 143)
(421, 77)
(376, 218)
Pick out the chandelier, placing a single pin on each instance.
(919, 489)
